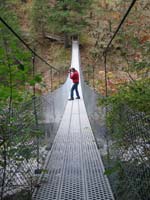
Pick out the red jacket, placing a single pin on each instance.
(75, 77)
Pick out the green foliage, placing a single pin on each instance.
(135, 95)
(138, 66)
(69, 16)
(37, 79)
(113, 169)
(15, 65)
(127, 117)
(40, 13)
(15, 62)
(17, 134)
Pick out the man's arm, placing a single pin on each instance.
(71, 75)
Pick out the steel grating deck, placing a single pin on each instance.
(75, 169)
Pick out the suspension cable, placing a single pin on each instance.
(119, 26)
(33, 52)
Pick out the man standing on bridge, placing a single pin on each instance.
(74, 75)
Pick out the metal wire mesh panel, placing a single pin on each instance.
(96, 115)
(52, 109)
(28, 123)
(126, 144)
(21, 154)
(132, 154)
(75, 169)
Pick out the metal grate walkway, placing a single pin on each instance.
(75, 169)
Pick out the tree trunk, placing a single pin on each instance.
(24, 1)
(66, 40)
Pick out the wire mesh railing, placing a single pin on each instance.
(27, 130)
(123, 142)
(18, 151)
(122, 129)
(129, 154)
(26, 121)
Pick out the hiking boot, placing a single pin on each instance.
(70, 99)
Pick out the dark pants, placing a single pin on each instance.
(75, 87)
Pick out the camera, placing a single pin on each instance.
(70, 70)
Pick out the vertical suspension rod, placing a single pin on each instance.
(35, 111)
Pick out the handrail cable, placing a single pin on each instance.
(114, 35)
(119, 26)
(34, 53)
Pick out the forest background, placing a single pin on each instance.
(50, 25)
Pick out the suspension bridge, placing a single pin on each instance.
(67, 160)
(75, 168)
